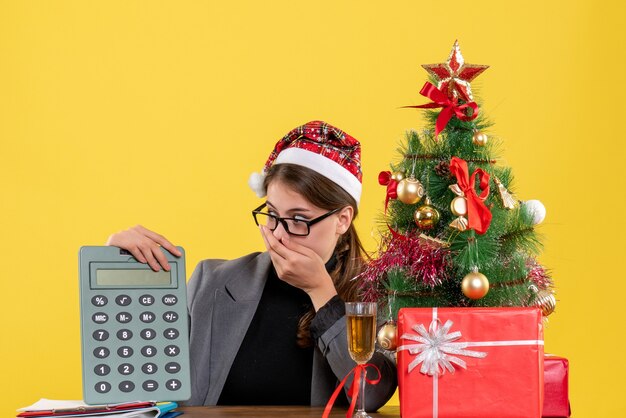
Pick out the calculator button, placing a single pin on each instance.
(124, 317)
(148, 351)
(150, 385)
(126, 369)
(169, 300)
(101, 352)
(99, 300)
(170, 316)
(123, 300)
(124, 334)
(172, 367)
(125, 352)
(100, 317)
(126, 386)
(173, 384)
(147, 317)
(148, 334)
(146, 300)
(149, 368)
(102, 387)
(103, 369)
(172, 350)
(171, 333)
(100, 335)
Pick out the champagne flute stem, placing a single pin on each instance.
(361, 400)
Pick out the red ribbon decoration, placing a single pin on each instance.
(396, 235)
(478, 214)
(353, 390)
(450, 107)
(384, 179)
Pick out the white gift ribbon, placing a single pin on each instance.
(437, 351)
(435, 348)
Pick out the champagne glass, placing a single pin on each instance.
(361, 324)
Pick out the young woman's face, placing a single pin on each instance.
(282, 201)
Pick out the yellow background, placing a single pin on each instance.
(114, 113)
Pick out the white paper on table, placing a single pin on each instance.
(50, 404)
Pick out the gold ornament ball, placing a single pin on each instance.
(426, 217)
(475, 285)
(458, 206)
(480, 139)
(397, 175)
(410, 191)
(546, 301)
(387, 336)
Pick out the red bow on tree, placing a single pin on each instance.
(384, 179)
(478, 214)
(450, 107)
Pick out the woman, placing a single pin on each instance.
(269, 328)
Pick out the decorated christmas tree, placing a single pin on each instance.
(453, 232)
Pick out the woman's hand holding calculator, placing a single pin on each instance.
(144, 245)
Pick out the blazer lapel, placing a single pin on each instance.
(234, 307)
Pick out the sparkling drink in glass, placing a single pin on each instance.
(361, 331)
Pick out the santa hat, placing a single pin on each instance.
(322, 148)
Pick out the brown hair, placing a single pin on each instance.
(349, 252)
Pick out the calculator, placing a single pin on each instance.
(134, 328)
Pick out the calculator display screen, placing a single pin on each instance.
(132, 277)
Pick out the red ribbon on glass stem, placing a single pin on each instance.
(478, 214)
(450, 107)
(384, 179)
(353, 390)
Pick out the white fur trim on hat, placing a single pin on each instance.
(324, 166)
(256, 184)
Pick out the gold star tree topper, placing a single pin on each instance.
(455, 75)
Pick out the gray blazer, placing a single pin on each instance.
(222, 299)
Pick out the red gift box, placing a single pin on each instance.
(470, 362)
(556, 393)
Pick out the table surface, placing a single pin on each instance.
(276, 411)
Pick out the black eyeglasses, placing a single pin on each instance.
(293, 226)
